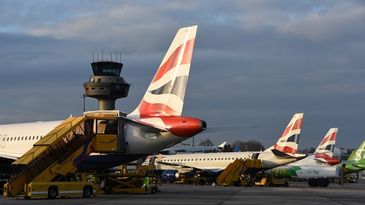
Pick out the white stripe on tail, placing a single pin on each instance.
(165, 95)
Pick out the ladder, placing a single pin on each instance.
(54, 155)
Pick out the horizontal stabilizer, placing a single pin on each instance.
(287, 155)
(140, 123)
(5, 157)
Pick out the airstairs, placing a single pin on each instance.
(238, 172)
(56, 156)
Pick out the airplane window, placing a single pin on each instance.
(22, 138)
(18, 138)
(7, 139)
(33, 137)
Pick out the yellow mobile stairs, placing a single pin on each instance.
(238, 173)
(49, 169)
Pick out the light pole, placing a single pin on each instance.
(83, 102)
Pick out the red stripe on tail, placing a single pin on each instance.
(329, 138)
(285, 149)
(173, 59)
(297, 125)
(155, 109)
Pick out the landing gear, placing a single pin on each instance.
(322, 182)
(312, 182)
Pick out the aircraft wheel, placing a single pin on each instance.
(52, 192)
(87, 192)
(323, 182)
(312, 182)
(154, 190)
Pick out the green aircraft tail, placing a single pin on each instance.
(359, 154)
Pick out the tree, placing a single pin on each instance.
(251, 145)
(206, 142)
(307, 150)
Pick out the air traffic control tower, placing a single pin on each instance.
(106, 85)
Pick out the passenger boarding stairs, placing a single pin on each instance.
(237, 173)
(55, 155)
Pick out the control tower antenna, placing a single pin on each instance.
(106, 84)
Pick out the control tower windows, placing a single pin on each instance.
(106, 68)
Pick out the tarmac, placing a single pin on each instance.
(297, 193)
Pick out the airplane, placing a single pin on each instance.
(204, 149)
(155, 124)
(355, 162)
(317, 168)
(283, 152)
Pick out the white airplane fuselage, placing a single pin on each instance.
(17, 139)
(307, 168)
(216, 161)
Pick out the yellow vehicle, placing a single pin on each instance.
(49, 168)
(53, 190)
(271, 181)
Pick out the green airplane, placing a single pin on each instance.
(355, 162)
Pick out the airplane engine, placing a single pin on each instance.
(170, 175)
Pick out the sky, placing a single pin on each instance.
(255, 62)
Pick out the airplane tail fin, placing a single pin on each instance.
(328, 142)
(166, 92)
(359, 154)
(288, 141)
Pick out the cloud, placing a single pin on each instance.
(255, 62)
(334, 24)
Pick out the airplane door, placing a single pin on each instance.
(2, 140)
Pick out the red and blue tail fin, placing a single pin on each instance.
(324, 151)
(165, 95)
(288, 141)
